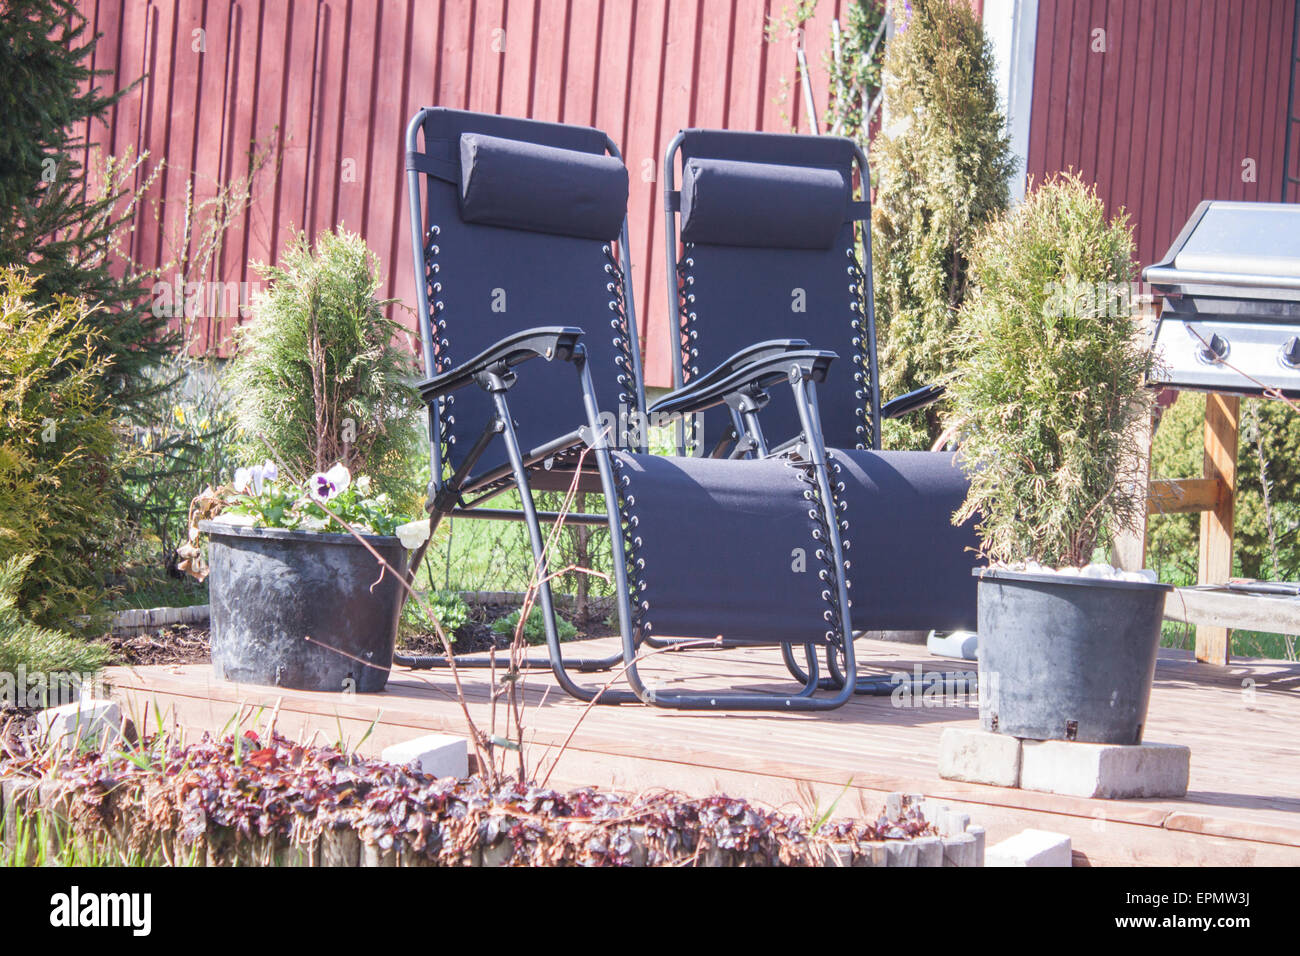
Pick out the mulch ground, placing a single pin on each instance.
(177, 644)
(189, 644)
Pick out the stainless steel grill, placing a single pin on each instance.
(1230, 319)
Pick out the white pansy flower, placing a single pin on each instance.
(325, 485)
(413, 533)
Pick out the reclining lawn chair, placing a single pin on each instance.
(767, 224)
(515, 235)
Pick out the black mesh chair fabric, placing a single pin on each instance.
(724, 548)
(566, 192)
(909, 568)
(529, 279)
(799, 208)
(743, 294)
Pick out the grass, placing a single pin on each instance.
(162, 592)
(1280, 647)
(43, 838)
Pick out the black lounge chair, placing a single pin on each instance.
(761, 245)
(521, 239)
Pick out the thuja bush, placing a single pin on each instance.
(59, 476)
(318, 378)
(1050, 378)
(942, 160)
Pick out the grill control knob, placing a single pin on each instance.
(1217, 351)
(1291, 352)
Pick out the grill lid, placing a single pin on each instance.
(1230, 319)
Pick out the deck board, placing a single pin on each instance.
(1241, 721)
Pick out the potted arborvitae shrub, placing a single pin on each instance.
(1046, 388)
(325, 411)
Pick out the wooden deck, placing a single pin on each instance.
(1242, 723)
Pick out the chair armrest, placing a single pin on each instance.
(760, 374)
(913, 400)
(746, 356)
(548, 342)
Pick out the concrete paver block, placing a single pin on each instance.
(1030, 848)
(86, 720)
(977, 756)
(1112, 771)
(440, 755)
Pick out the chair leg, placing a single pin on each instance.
(537, 540)
(431, 662)
(879, 685)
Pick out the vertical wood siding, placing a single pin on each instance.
(330, 85)
(1185, 92)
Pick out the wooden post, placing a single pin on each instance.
(1215, 564)
(1128, 546)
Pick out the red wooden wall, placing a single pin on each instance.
(331, 83)
(1184, 93)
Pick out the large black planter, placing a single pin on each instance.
(270, 589)
(1067, 658)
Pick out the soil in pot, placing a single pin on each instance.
(1067, 658)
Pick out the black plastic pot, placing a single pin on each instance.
(1067, 658)
(271, 589)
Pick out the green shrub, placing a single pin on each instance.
(65, 234)
(39, 650)
(1049, 377)
(534, 628)
(447, 606)
(942, 160)
(317, 378)
(59, 476)
(1266, 540)
(185, 448)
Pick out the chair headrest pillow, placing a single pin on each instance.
(521, 185)
(732, 203)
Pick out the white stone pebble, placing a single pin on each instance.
(1102, 571)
